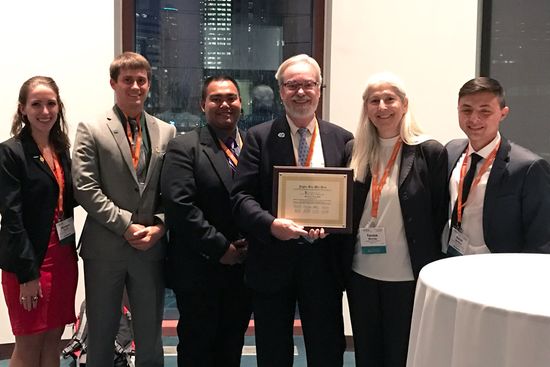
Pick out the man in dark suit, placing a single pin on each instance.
(501, 201)
(116, 171)
(206, 250)
(287, 264)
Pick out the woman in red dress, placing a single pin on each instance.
(37, 243)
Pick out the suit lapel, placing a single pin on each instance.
(497, 174)
(330, 154)
(115, 126)
(408, 153)
(281, 141)
(154, 139)
(216, 156)
(454, 152)
(36, 156)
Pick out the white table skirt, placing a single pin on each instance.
(482, 311)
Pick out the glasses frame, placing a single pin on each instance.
(295, 86)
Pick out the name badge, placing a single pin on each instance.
(458, 242)
(65, 230)
(373, 240)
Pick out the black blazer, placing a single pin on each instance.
(516, 207)
(269, 264)
(423, 198)
(195, 183)
(28, 197)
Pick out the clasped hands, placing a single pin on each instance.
(143, 238)
(235, 253)
(286, 229)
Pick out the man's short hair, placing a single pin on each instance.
(483, 84)
(129, 60)
(295, 60)
(218, 78)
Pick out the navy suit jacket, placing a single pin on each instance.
(516, 207)
(28, 197)
(195, 183)
(269, 263)
(423, 199)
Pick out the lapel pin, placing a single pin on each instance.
(41, 159)
(281, 135)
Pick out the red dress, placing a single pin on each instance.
(58, 280)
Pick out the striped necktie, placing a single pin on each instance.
(231, 144)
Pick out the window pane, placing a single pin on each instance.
(188, 40)
(518, 55)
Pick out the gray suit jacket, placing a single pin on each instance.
(516, 207)
(106, 186)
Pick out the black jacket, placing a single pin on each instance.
(196, 181)
(270, 261)
(28, 197)
(422, 189)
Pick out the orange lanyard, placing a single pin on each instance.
(135, 147)
(490, 159)
(311, 145)
(229, 153)
(59, 178)
(377, 186)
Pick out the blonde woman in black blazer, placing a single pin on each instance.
(38, 259)
(399, 212)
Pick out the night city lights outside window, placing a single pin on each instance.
(188, 40)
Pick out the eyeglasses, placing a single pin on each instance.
(305, 85)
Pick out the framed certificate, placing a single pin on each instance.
(314, 197)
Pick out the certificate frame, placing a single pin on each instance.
(314, 197)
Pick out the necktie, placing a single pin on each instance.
(231, 144)
(133, 127)
(303, 147)
(141, 168)
(466, 186)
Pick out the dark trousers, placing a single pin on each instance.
(381, 315)
(319, 300)
(212, 324)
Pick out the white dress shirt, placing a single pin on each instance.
(472, 217)
(317, 159)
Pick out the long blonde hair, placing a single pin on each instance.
(366, 148)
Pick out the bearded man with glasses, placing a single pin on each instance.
(287, 264)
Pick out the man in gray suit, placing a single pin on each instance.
(116, 167)
(499, 191)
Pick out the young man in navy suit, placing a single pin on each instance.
(287, 264)
(502, 203)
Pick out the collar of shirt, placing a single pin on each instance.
(388, 142)
(486, 150)
(124, 119)
(294, 129)
(223, 135)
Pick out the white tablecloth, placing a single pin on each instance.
(482, 311)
